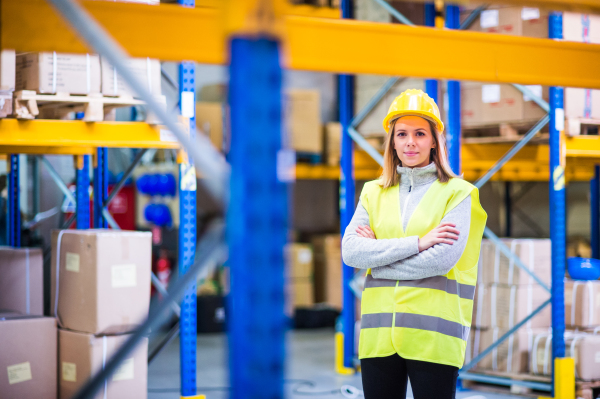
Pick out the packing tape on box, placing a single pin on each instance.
(115, 91)
(88, 74)
(57, 285)
(591, 312)
(54, 68)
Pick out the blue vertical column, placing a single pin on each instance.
(13, 206)
(187, 237)
(82, 192)
(558, 224)
(347, 183)
(431, 85)
(100, 186)
(453, 129)
(595, 212)
(256, 220)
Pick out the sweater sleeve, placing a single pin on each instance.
(365, 253)
(436, 260)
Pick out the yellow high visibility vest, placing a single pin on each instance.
(427, 319)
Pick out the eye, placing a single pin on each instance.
(401, 134)
(420, 133)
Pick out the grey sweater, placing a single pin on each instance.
(399, 258)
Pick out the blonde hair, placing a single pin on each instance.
(439, 156)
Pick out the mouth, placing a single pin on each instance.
(410, 154)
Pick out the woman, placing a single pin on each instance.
(418, 232)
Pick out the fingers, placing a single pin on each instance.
(448, 229)
(447, 224)
(365, 231)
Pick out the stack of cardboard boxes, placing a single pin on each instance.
(504, 296)
(299, 277)
(100, 292)
(328, 269)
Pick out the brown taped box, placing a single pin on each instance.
(299, 260)
(58, 72)
(303, 116)
(104, 279)
(146, 70)
(28, 357)
(584, 348)
(518, 21)
(333, 137)
(22, 280)
(491, 104)
(503, 306)
(328, 269)
(582, 303)
(581, 27)
(209, 119)
(497, 268)
(80, 356)
(302, 291)
(512, 355)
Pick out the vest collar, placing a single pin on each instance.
(417, 176)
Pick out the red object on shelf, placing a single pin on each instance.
(122, 207)
(163, 269)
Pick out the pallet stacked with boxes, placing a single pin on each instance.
(99, 293)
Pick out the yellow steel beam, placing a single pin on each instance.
(39, 150)
(591, 6)
(317, 44)
(64, 135)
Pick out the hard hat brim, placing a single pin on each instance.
(439, 125)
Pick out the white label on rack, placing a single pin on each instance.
(123, 276)
(69, 372)
(72, 262)
(535, 89)
(188, 103)
(559, 119)
(19, 373)
(490, 19)
(167, 135)
(490, 94)
(188, 177)
(528, 13)
(124, 371)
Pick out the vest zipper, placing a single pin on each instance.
(412, 182)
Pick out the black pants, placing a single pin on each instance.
(386, 378)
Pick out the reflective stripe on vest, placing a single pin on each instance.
(427, 319)
(441, 283)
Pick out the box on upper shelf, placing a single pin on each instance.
(28, 357)
(103, 281)
(52, 72)
(82, 355)
(146, 70)
(22, 280)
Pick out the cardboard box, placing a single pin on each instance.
(146, 70)
(28, 358)
(328, 269)
(299, 260)
(8, 61)
(512, 355)
(103, 281)
(581, 28)
(496, 268)
(518, 21)
(58, 72)
(580, 104)
(503, 306)
(582, 303)
(584, 348)
(22, 280)
(303, 119)
(333, 141)
(209, 119)
(303, 292)
(474, 346)
(492, 104)
(80, 356)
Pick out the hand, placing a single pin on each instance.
(445, 233)
(365, 231)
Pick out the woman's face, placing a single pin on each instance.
(413, 141)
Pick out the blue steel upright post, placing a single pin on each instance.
(347, 188)
(13, 207)
(257, 212)
(595, 212)
(82, 192)
(453, 128)
(558, 224)
(100, 186)
(431, 85)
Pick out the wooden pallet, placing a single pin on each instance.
(6, 103)
(28, 105)
(508, 129)
(587, 389)
(579, 126)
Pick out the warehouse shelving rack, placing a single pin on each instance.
(257, 39)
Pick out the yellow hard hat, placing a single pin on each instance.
(416, 103)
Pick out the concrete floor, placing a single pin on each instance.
(310, 357)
